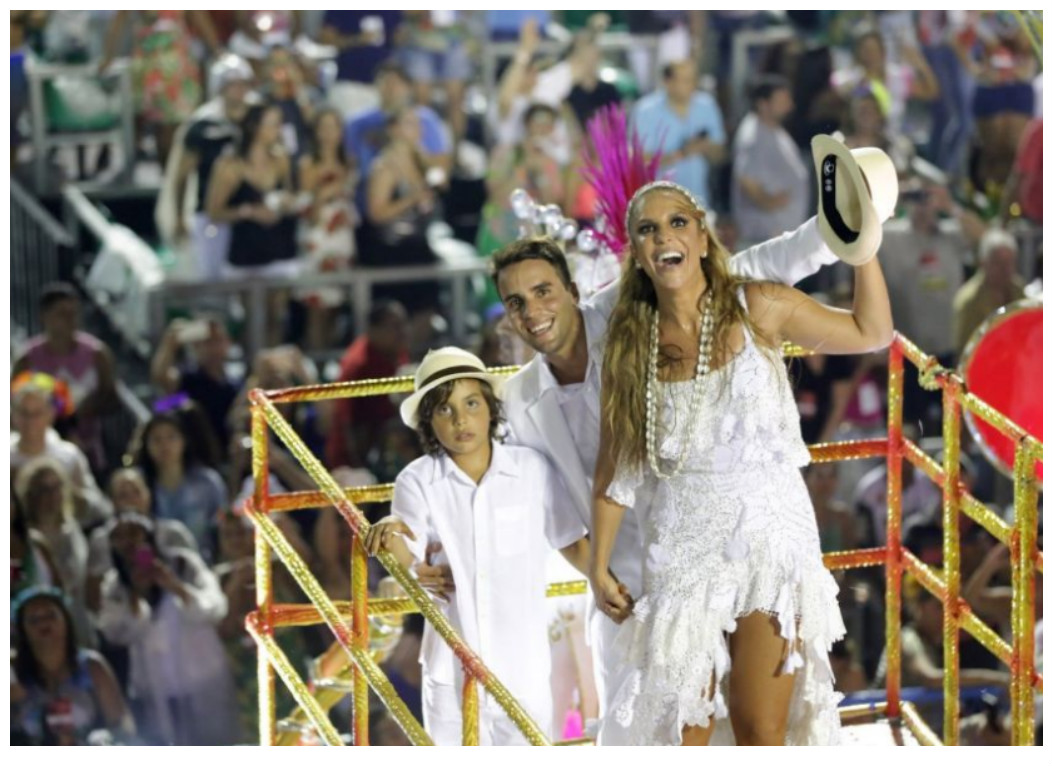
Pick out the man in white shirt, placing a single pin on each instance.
(552, 403)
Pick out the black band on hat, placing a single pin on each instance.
(828, 191)
(458, 370)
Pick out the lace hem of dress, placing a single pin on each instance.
(665, 694)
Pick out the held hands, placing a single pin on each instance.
(436, 579)
(611, 596)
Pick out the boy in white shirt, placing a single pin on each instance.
(493, 509)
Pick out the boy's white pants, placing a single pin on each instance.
(442, 720)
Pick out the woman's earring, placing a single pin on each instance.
(638, 265)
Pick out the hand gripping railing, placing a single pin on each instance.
(1026, 559)
(354, 639)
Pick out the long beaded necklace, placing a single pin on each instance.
(702, 369)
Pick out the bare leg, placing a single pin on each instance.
(759, 691)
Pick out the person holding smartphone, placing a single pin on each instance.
(164, 606)
(685, 124)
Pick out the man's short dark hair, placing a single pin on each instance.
(531, 249)
(381, 311)
(392, 67)
(765, 86)
(54, 292)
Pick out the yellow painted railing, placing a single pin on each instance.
(349, 620)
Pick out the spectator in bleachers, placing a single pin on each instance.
(926, 257)
(129, 492)
(367, 133)
(202, 376)
(236, 573)
(769, 172)
(822, 385)
(32, 563)
(1025, 185)
(252, 190)
(893, 84)
(435, 51)
(363, 39)
(377, 353)
(36, 400)
(589, 93)
(44, 491)
(167, 76)
(870, 499)
(171, 451)
(61, 691)
(284, 86)
(686, 126)
(258, 32)
(211, 130)
(866, 125)
(327, 175)
(922, 652)
(279, 367)
(996, 284)
(819, 108)
(164, 607)
(1004, 96)
(81, 360)
(531, 164)
(527, 80)
(201, 141)
(400, 206)
(837, 526)
(944, 37)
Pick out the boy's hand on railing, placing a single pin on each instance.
(379, 534)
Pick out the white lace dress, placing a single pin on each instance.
(733, 534)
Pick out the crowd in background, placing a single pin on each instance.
(132, 572)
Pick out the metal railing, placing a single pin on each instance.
(350, 620)
(358, 282)
(39, 243)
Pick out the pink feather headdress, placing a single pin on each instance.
(616, 166)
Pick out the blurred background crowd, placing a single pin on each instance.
(247, 169)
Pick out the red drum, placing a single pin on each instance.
(1002, 365)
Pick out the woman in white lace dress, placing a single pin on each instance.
(729, 639)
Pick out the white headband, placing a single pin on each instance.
(659, 185)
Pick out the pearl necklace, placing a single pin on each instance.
(702, 369)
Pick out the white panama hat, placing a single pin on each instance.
(440, 365)
(857, 192)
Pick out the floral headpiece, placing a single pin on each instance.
(55, 388)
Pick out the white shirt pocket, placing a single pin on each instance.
(511, 529)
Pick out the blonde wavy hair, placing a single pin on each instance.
(624, 376)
